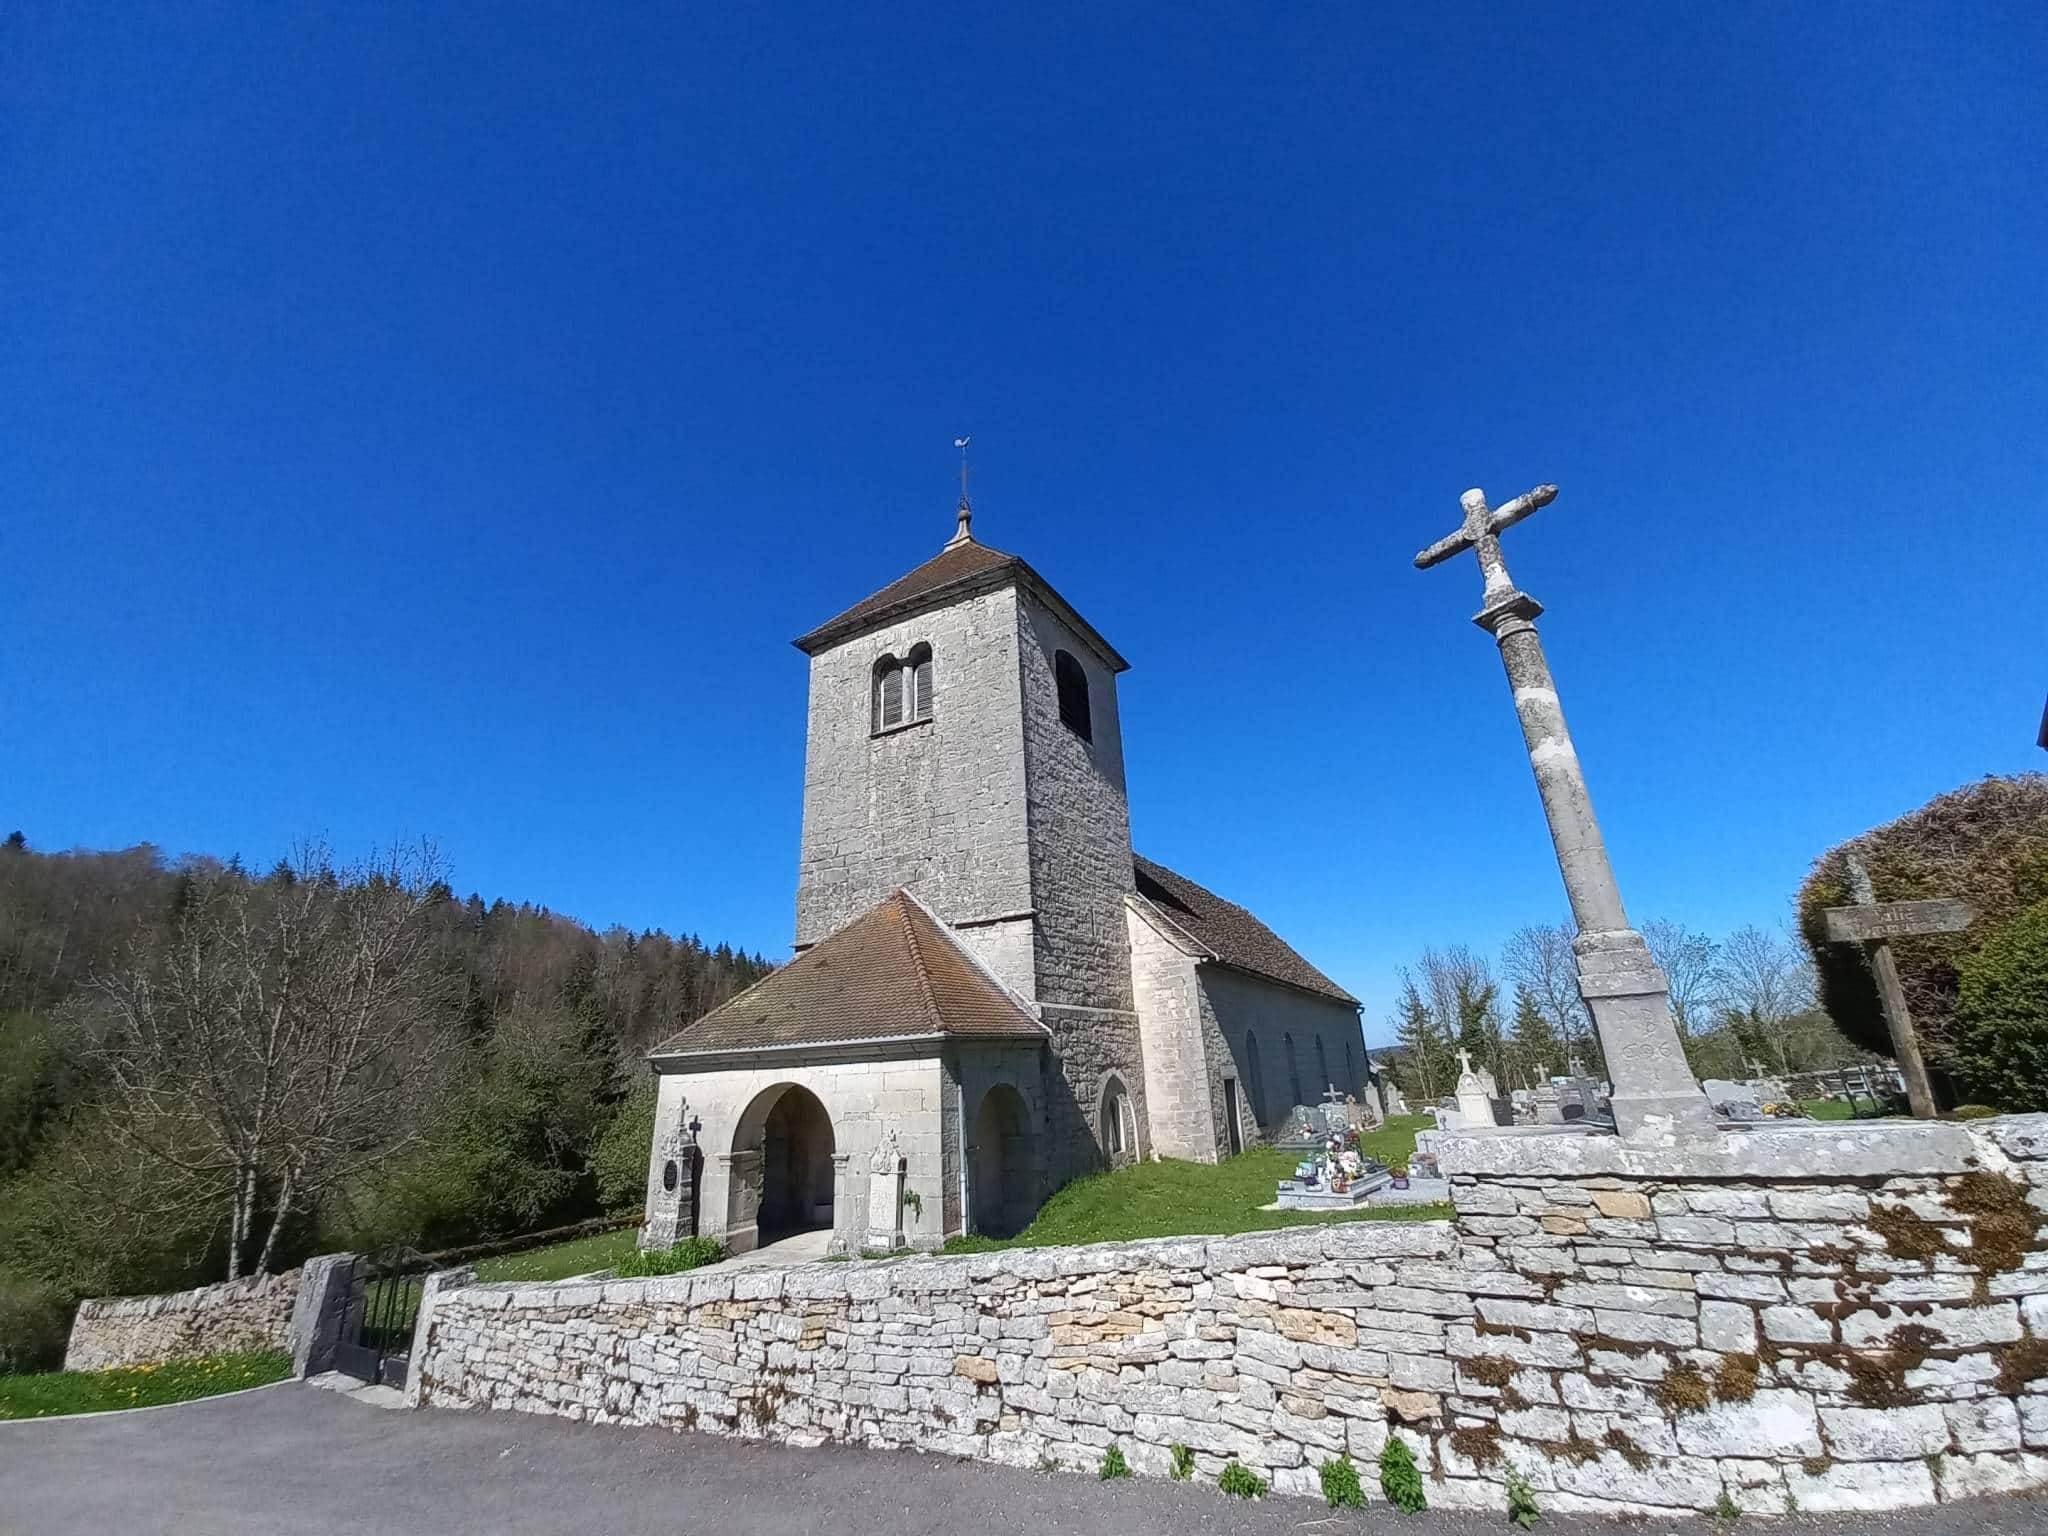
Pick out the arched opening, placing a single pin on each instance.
(781, 1167)
(1323, 1083)
(1117, 1124)
(1002, 1164)
(1293, 1068)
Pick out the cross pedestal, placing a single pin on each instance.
(1628, 996)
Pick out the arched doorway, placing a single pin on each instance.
(1002, 1164)
(782, 1165)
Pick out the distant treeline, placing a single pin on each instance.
(206, 1070)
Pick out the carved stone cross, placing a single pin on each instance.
(1626, 992)
(1481, 531)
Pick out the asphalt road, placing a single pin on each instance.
(293, 1459)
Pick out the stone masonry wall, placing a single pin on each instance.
(937, 806)
(1079, 821)
(1636, 1330)
(250, 1314)
(1322, 1033)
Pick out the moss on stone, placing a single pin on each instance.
(1683, 1389)
(1478, 1444)
(2020, 1362)
(1489, 1370)
(1735, 1381)
(1485, 1329)
(2003, 1224)
(1630, 1452)
(1815, 1466)
(1908, 1236)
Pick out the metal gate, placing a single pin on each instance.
(385, 1302)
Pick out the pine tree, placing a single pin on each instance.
(1535, 1048)
(1427, 1064)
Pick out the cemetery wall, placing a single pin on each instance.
(1838, 1318)
(248, 1314)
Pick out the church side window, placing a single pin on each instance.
(1293, 1066)
(1322, 1067)
(1072, 680)
(1119, 1123)
(903, 689)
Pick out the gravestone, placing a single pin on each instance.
(885, 1195)
(672, 1210)
(1475, 1094)
(1304, 1131)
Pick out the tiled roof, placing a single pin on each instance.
(1231, 935)
(960, 570)
(895, 971)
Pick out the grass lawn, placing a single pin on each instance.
(137, 1386)
(559, 1261)
(1174, 1199)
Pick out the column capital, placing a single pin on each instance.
(1510, 612)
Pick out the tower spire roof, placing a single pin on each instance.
(964, 533)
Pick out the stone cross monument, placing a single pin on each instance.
(1630, 1000)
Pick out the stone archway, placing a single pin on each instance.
(1002, 1166)
(782, 1170)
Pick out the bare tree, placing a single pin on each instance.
(1463, 999)
(1687, 960)
(1540, 958)
(1763, 980)
(269, 1051)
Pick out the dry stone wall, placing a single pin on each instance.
(250, 1314)
(1634, 1330)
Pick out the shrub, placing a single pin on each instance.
(1522, 1508)
(1114, 1465)
(34, 1327)
(1986, 843)
(1183, 1463)
(2002, 1011)
(1340, 1484)
(1972, 1112)
(1400, 1480)
(1241, 1482)
(690, 1253)
(620, 1159)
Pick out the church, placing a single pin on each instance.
(991, 993)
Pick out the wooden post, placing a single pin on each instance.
(1905, 1043)
(1874, 926)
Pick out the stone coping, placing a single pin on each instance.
(1820, 1150)
(871, 1279)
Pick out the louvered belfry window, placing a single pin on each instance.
(921, 683)
(1072, 681)
(903, 689)
(889, 695)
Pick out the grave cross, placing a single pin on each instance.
(1626, 992)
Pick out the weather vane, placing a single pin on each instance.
(962, 533)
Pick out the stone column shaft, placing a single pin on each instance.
(1625, 991)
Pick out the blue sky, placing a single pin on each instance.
(437, 420)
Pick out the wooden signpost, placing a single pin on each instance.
(1874, 924)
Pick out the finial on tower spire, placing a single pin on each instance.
(964, 533)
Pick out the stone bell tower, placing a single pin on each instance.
(964, 743)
